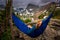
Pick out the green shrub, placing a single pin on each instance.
(27, 20)
(41, 16)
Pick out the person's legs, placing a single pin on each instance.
(31, 29)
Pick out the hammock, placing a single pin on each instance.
(32, 32)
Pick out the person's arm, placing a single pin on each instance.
(38, 24)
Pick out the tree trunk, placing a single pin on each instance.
(1, 23)
(0, 30)
(10, 20)
(9, 17)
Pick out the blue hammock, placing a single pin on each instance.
(32, 32)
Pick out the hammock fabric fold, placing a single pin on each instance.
(33, 32)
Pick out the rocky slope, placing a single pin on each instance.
(49, 34)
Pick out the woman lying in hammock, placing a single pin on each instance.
(38, 24)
